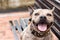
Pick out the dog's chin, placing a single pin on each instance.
(42, 26)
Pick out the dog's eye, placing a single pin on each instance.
(49, 15)
(36, 14)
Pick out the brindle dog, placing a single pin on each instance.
(40, 26)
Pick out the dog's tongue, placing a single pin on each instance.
(42, 27)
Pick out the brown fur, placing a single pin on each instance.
(27, 35)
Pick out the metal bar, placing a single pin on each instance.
(17, 26)
(22, 23)
(53, 4)
(13, 30)
(26, 21)
(56, 32)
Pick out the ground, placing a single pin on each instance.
(5, 28)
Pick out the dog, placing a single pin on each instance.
(39, 28)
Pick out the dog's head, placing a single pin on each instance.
(42, 19)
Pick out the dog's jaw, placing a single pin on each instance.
(39, 34)
(42, 27)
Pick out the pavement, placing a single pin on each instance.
(5, 27)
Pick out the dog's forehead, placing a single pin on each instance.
(42, 11)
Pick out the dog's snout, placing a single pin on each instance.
(43, 20)
(43, 17)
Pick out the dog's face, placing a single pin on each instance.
(42, 19)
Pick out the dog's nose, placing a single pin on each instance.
(43, 17)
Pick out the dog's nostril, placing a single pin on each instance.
(42, 17)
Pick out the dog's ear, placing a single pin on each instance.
(31, 10)
(53, 9)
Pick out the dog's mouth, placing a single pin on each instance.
(43, 25)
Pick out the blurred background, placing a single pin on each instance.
(14, 16)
